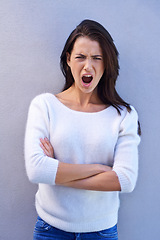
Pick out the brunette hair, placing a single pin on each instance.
(106, 86)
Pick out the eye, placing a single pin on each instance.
(97, 58)
(80, 57)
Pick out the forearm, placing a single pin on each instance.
(106, 181)
(72, 172)
(67, 172)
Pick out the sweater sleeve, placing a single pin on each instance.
(39, 167)
(126, 152)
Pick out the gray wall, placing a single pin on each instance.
(32, 34)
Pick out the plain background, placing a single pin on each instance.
(32, 35)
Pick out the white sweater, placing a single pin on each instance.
(103, 137)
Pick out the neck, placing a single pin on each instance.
(83, 99)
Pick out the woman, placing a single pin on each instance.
(94, 137)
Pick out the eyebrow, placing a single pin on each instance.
(97, 55)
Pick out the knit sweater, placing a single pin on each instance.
(103, 137)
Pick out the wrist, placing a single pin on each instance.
(104, 168)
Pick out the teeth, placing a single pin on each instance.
(88, 75)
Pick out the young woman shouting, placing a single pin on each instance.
(81, 144)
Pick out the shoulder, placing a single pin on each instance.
(129, 121)
(132, 115)
(124, 114)
(43, 100)
(43, 97)
(43, 103)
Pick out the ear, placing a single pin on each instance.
(68, 56)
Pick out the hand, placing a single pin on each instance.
(47, 147)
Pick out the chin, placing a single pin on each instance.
(89, 90)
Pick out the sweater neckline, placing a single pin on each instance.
(79, 112)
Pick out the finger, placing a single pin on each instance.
(44, 149)
(45, 144)
(45, 141)
(48, 142)
(47, 147)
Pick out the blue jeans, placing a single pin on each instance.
(44, 231)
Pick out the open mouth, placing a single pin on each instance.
(87, 79)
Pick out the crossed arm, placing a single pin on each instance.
(96, 177)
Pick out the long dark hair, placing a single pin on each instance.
(106, 87)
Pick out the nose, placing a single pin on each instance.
(88, 65)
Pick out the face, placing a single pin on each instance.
(86, 64)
